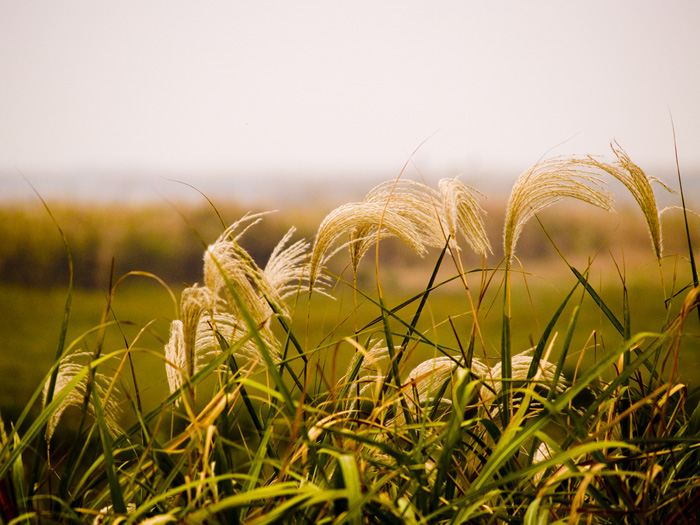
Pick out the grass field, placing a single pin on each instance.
(338, 382)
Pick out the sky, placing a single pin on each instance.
(329, 91)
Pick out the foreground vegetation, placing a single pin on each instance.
(387, 410)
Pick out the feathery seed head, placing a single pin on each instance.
(639, 185)
(520, 366)
(463, 213)
(286, 268)
(232, 330)
(362, 221)
(226, 264)
(68, 369)
(428, 377)
(195, 301)
(175, 357)
(225, 260)
(547, 183)
(409, 210)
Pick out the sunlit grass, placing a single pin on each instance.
(328, 387)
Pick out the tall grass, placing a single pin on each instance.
(267, 422)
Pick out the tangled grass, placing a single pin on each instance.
(256, 430)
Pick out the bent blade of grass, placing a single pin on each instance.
(34, 473)
(258, 462)
(288, 496)
(393, 364)
(424, 298)
(225, 347)
(564, 352)
(586, 285)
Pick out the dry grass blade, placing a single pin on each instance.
(547, 183)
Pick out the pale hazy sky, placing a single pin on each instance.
(327, 87)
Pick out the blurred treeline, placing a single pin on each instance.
(166, 240)
(169, 240)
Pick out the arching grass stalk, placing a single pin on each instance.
(691, 253)
(34, 472)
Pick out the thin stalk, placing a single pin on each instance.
(41, 440)
(506, 371)
(691, 253)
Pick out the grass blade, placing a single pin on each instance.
(107, 444)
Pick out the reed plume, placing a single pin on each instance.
(639, 185)
(413, 212)
(545, 184)
(360, 221)
(463, 213)
(210, 314)
(427, 379)
(68, 369)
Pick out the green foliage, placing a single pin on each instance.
(318, 399)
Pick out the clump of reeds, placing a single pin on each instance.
(347, 431)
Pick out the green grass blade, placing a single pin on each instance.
(599, 301)
(464, 391)
(506, 363)
(517, 433)
(34, 473)
(691, 253)
(424, 299)
(351, 483)
(542, 343)
(110, 470)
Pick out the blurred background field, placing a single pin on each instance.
(168, 242)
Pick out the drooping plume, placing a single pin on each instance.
(547, 183)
